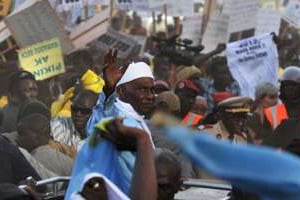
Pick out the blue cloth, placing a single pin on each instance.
(105, 159)
(104, 108)
(271, 174)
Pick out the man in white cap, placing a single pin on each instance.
(133, 100)
(290, 97)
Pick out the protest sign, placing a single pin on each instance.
(180, 8)
(157, 3)
(90, 30)
(216, 32)
(253, 61)
(43, 60)
(137, 5)
(124, 4)
(267, 21)
(102, 2)
(35, 21)
(126, 46)
(269, 4)
(191, 28)
(141, 40)
(292, 13)
(242, 14)
(4, 7)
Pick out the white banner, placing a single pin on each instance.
(191, 28)
(216, 32)
(292, 13)
(253, 61)
(267, 21)
(136, 5)
(242, 14)
(177, 8)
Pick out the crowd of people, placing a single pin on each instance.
(105, 127)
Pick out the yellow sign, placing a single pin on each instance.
(4, 7)
(43, 59)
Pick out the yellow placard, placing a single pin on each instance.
(43, 60)
(5, 7)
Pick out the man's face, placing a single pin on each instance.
(168, 182)
(81, 111)
(290, 91)
(187, 99)
(234, 122)
(28, 89)
(270, 100)
(26, 138)
(222, 76)
(139, 94)
(162, 68)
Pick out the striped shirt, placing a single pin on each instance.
(63, 131)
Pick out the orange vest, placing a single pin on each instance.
(191, 119)
(276, 115)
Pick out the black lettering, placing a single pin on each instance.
(36, 73)
(38, 61)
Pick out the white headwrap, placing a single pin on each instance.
(113, 192)
(136, 71)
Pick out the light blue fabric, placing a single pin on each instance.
(104, 158)
(104, 108)
(271, 174)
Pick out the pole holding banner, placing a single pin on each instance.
(111, 7)
(209, 6)
(166, 19)
(153, 23)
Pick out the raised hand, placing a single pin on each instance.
(111, 72)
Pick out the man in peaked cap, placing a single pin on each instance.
(232, 114)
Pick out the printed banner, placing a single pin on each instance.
(43, 60)
(253, 61)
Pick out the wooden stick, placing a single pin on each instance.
(111, 7)
(166, 19)
(153, 23)
(178, 29)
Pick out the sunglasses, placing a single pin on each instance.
(84, 111)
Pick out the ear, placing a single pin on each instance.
(121, 91)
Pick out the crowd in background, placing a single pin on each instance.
(107, 116)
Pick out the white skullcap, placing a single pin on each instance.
(113, 192)
(136, 71)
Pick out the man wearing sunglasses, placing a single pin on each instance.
(290, 97)
(71, 130)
